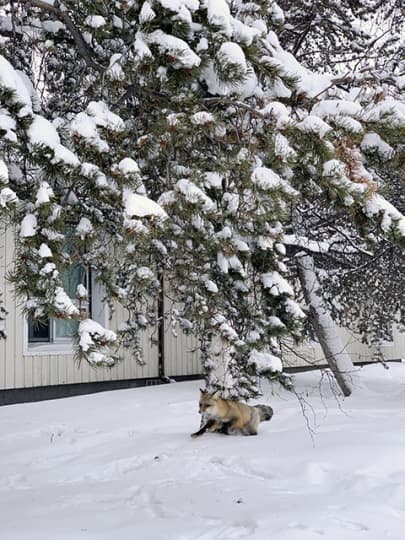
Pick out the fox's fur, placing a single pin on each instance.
(229, 416)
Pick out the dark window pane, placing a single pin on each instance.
(38, 332)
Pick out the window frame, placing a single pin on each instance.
(98, 310)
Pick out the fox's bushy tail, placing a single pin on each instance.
(265, 412)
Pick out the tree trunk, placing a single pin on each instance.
(325, 329)
(219, 374)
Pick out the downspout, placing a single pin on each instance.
(161, 328)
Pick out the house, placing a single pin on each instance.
(37, 362)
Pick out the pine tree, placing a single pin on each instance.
(341, 36)
(360, 274)
(196, 106)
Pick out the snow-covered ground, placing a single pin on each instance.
(121, 466)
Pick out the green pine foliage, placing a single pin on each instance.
(193, 105)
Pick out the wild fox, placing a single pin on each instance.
(228, 416)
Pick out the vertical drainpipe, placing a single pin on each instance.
(161, 329)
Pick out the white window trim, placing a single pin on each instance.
(62, 346)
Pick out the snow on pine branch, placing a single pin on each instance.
(183, 56)
(265, 362)
(13, 83)
(391, 219)
(268, 180)
(136, 205)
(93, 343)
(97, 115)
(276, 284)
(41, 132)
(7, 195)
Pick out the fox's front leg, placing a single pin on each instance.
(208, 424)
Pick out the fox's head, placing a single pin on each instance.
(207, 400)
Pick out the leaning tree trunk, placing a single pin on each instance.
(325, 329)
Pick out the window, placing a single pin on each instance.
(56, 335)
(61, 331)
(54, 331)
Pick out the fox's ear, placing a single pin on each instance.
(203, 391)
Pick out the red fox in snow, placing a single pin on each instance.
(229, 416)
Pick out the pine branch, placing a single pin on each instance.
(84, 50)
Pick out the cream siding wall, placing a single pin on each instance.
(22, 369)
(396, 348)
(181, 355)
(310, 353)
